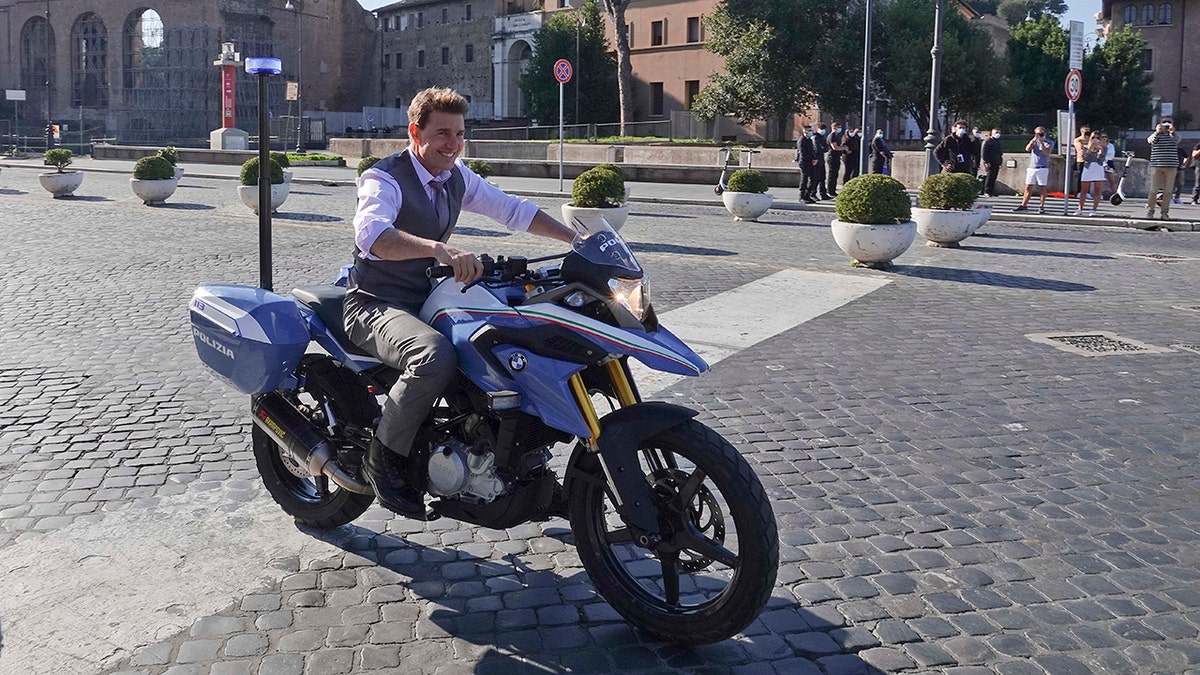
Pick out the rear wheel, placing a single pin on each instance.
(715, 568)
(311, 500)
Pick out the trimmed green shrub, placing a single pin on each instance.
(612, 167)
(746, 180)
(250, 172)
(59, 158)
(598, 188)
(281, 159)
(366, 163)
(154, 167)
(873, 199)
(948, 191)
(170, 154)
(480, 167)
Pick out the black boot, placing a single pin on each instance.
(386, 472)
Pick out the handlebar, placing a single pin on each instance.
(498, 269)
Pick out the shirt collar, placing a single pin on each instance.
(423, 173)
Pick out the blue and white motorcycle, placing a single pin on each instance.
(669, 520)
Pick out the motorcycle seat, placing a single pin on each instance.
(327, 302)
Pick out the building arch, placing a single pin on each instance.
(1131, 15)
(89, 62)
(37, 53)
(1165, 13)
(1148, 14)
(516, 60)
(141, 47)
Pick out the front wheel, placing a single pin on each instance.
(715, 568)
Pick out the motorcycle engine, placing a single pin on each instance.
(456, 471)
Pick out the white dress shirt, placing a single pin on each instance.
(379, 201)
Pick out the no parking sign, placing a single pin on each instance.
(562, 71)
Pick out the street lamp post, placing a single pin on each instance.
(579, 24)
(299, 76)
(932, 136)
(49, 57)
(866, 85)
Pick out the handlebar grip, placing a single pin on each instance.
(439, 271)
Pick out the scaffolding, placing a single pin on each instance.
(170, 89)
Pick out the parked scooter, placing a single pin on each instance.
(668, 519)
(1119, 196)
(729, 157)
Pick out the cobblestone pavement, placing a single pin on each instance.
(952, 496)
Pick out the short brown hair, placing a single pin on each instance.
(439, 99)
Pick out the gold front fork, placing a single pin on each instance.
(621, 386)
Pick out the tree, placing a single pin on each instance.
(595, 66)
(1116, 91)
(1037, 62)
(616, 11)
(1016, 11)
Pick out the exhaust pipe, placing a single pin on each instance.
(291, 431)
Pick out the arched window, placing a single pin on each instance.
(1164, 13)
(89, 62)
(142, 47)
(1147, 15)
(1131, 15)
(37, 42)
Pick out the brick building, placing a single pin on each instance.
(1172, 51)
(142, 71)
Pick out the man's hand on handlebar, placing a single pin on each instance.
(466, 266)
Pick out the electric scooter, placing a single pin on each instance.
(729, 156)
(1119, 196)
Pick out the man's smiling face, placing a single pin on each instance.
(440, 142)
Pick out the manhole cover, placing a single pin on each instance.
(1097, 343)
(1157, 257)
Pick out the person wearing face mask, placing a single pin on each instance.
(881, 155)
(993, 159)
(977, 150)
(853, 157)
(820, 149)
(806, 157)
(837, 150)
(956, 151)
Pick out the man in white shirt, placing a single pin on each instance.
(408, 204)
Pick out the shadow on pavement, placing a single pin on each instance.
(988, 278)
(1034, 252)
(1024, 237)
(183, 206)
(660, 216)
(674, 248)
(85, 198)
(306, 217)
(13, 192)
(547, 622)
(477, 232)
(196, 187)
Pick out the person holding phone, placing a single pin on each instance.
(1092, 179)
(1164, 163)
(1038, 173)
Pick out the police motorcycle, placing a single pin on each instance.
(669, 520)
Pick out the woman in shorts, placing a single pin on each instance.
(1093, 178)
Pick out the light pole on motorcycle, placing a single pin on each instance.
(264, 68)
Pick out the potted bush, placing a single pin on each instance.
(480, 168)
(60, 183)
(598, 192)
(874, 220)
(944, 215)
(367, 162)
(170, 154)
(248, 190)
(620, 172)
(745, 195)
(284, 163)
(153, 179)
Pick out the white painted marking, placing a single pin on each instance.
(83, 597)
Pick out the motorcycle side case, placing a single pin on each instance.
(251, 338)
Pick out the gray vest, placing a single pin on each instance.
(403, 282)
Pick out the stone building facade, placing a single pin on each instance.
(142, 71)
(1172, 51)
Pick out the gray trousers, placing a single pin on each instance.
(425, 358)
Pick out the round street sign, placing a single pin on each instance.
(1074, 85)
(562, 71)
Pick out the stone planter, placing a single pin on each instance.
(982, 213)
(178, 172)
(747, 205)
(61, 184)
(249, 195)
(615, 215)
(873, 245)
(944, 228)
(153, 191)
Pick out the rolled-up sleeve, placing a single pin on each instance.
(378, 203)
(515, 213)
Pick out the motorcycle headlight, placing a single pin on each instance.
(633, 294)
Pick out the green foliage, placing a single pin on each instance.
(614, 168)
(598, 188)
(1116, 91)
(281, 158)
(595, 69)
(1037, 54)
(873, 199)
(154, 167)
(480, 167)
(170, 154)
(746, 180)
(250, 172)
(948, 191)
(59, 158)
(366, 163)
(310, 157)
(1015, 11)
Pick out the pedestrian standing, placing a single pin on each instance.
(1092, 179)
(1185, 162)
(1038, 172)
(820, 148)
(1196, 164)
(1110, 170)
(837, 149)
(881, 155)
(1077, 147)
(806, 157)
(976, 150)
(955, 152)
(1164, 163)
(853, 157)
(993, 159)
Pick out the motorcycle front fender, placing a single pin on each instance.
(621, 432)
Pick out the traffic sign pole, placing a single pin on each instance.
(1073, 87)
(562, 73)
